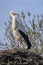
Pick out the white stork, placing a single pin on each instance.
(19, 35)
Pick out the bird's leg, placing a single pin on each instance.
(18, 43)
(23, 43)
(20, 40)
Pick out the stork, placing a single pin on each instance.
(19, 35)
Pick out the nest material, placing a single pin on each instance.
(20, 57)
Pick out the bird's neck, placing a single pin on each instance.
(14, 23)
(13, 18)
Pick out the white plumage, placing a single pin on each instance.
(15, 30)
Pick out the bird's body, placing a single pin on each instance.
(19, 35)
(26, 39)
(15, 28)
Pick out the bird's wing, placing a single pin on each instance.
(19, 37)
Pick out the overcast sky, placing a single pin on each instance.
(34, 6)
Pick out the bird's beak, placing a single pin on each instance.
(15, 14)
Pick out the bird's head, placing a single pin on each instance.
(12, 13)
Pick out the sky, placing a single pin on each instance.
(34, 6)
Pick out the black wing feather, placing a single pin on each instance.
(25, 38)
